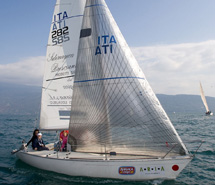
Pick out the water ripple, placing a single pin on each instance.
(190, 127)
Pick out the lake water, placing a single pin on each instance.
(13, 129)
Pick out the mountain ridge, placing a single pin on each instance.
(25, 100)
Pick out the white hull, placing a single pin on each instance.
(92, 165)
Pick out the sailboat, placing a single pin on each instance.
(208, 112)
(117, 127)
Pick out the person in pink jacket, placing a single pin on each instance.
(63, 139)
(62, 133)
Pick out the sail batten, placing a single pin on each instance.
(102, 79)
(113, 106)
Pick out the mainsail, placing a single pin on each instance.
(114, 107)
(60, 64)
(203, 98)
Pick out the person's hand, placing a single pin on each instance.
(35, 149)
(61, 139)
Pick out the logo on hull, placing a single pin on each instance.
(126, 170)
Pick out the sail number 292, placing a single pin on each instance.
(61, 35)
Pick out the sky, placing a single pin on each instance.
(173, 41)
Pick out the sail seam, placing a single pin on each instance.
(59, 105)
(102, 79)
(94, 5)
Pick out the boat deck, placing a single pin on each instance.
(86, 156)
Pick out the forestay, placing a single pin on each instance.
(114, 108)
(60, 64)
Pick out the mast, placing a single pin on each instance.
(60, 64)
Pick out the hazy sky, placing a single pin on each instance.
(173, 41)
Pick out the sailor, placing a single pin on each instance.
(64, 141)
(62, 134)
(39, 144)
(61, 145)
(34, 137)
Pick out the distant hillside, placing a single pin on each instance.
(185, 103)
(25, 100)
(19, 99)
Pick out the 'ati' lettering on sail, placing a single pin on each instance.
(59, 20)
(105, 44)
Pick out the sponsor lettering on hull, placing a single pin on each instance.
(152, 170)
(126, 170)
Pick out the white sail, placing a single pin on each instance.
(60, 64)
(114, 107)
(203, 98)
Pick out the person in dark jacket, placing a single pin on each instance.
(34, 137)
(38, 143)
